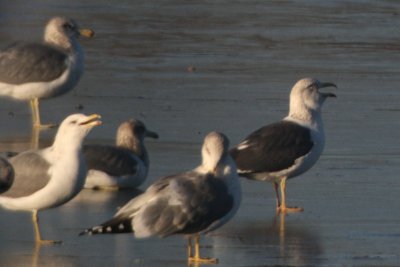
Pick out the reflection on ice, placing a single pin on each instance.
(276, 242)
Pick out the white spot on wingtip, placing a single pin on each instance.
(121, 227)
(109, 229)
(243, 145)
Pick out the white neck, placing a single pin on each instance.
(303, 114)
(60, 140)
(313, 121)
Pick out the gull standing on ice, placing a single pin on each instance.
(49, 177)
(287, 148)
(124, 165)
(33, 71)
(189, 203)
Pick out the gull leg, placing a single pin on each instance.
(38, 237)
(196, 257)
(111, 188)
(283, 208)
(189, 248)
(35, 138)
(278, 201)
(34, 103)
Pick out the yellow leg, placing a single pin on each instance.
(278, 201)
(34, 103)
(283, 208)
(38, 237)
(35, 112)
(106, 188)
(35, 134)
(196, 257)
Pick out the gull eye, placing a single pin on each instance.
(139, 129)
(68, 26)
(313, 85)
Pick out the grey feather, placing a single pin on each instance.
(202, 200)
(27, 165)
(31, 62)
(112, 160)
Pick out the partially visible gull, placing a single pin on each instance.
(124, 165)
(190, 203)
(287, 148)
(6, 175)
(33, 71)
(49, 177)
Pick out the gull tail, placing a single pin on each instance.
(116, 225)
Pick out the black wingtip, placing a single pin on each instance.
(86, 232)
(101, 229)
(114, 226)
(83, 233)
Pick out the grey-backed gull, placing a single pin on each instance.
(49, 177)
(33, 71)
(189, 203)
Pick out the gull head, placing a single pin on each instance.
(74, 129)
(131, 131)
(62, 32)
(214, 150)
(306, 96)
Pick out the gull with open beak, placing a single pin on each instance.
(287, 148)
(49, 177)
